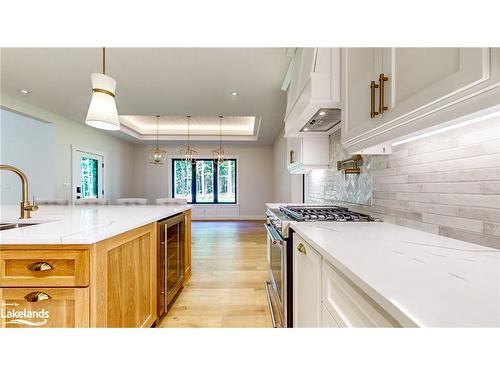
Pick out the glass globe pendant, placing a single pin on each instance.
(220, 154)
(156, 155)
(188, 154)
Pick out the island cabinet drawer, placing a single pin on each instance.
(44, 308)
(44, 268)
(348, 304)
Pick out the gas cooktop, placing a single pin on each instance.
(324, 213)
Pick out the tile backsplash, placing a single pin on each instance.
(334, 185)
(447, 184)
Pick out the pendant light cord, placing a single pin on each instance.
(220, 133)
(157, 131)
(188, 117)
(103, 60)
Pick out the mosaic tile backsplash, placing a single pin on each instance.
(331, 185)
(447, 184)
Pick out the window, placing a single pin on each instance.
(182, 180)
(227, 181)
(204, 181)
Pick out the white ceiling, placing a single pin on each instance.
(155, 81)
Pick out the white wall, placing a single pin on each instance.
(255, 175)
(287, 186)
(119, 174)
(27, 144)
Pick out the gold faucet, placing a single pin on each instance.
(26, 206)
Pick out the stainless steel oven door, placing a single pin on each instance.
(276, 287)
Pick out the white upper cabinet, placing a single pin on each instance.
(425, 89)
(361, 66)
(304, 154)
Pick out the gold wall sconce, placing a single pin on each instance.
(351, 165)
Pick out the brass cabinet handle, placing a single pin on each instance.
(381, 79)
(40, 266)
(373, 86)
(37, 297)
(301, 248)
(291, 157)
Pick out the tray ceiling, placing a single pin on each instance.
(237, 128)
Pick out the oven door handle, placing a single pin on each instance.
(273, 234)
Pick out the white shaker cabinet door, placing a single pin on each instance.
(327, 320)
(359, 67)
(306, 285)
(420, 77)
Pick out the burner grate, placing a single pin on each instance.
(324, 213)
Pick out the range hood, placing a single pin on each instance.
(324, 120)
(314, 106)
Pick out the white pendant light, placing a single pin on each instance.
(220, 154)
(188, 154)
(157, 156)
(102, 112)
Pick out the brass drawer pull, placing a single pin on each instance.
(373, 86)
(301, 248)
(37, 297)
(40, 266)
(381, 79)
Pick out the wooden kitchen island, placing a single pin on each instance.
(102, 275)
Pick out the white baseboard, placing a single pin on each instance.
(239, 218)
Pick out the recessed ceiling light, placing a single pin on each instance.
(24, 91)
(322, 113)
(306, 129)
(234, 93)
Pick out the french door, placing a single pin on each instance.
(88, 175)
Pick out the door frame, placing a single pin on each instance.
(74, 175)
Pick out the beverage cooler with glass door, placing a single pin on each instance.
(171, 247)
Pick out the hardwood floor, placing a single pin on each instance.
(229, 264)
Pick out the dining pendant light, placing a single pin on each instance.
(102, 112)
(156, 155)
(220, 152)
(188, 154)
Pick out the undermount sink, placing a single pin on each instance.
(6, 226)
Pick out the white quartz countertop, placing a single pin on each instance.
(430, 280)
(80, 224)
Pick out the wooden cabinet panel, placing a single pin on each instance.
(306, 285)
(123, 279)
(348, 304)
(66, 308)
(187, 244)
(44, 267)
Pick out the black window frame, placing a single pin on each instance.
(215, 182)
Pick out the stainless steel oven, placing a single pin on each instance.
(274, 287)
(278, 287)
(170, 272)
